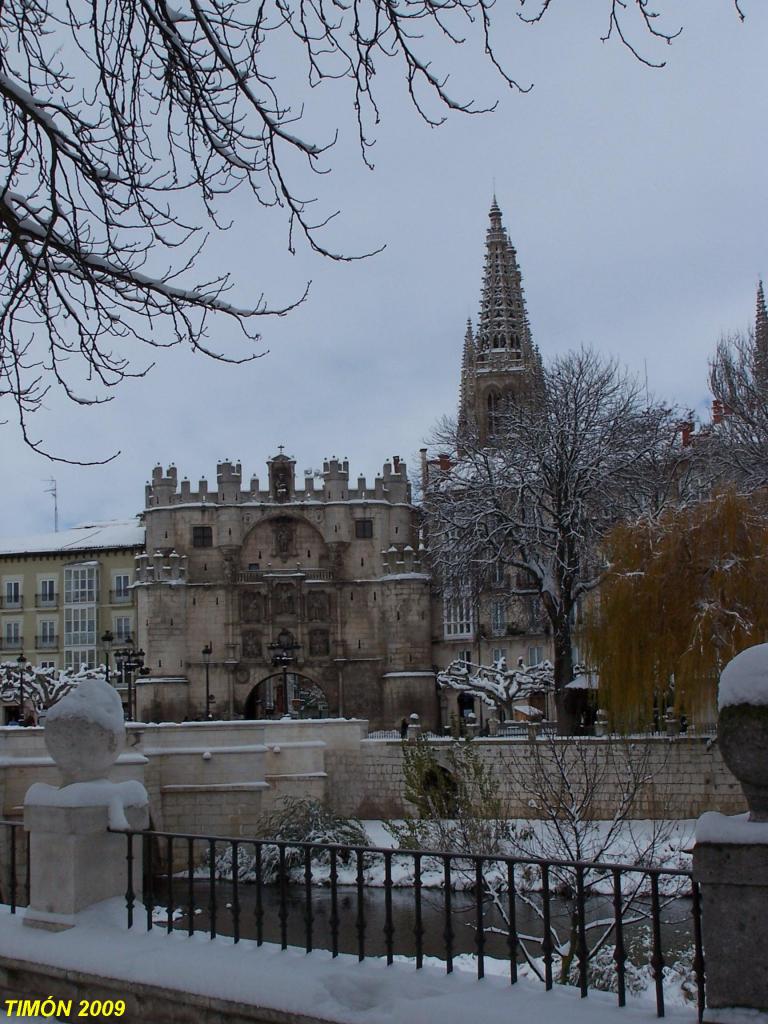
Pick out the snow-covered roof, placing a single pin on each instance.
(583, 682)
(124, 533)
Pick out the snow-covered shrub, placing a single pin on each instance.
(294, 820)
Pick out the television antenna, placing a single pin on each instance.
(52, 490)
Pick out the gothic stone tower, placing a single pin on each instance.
(500, 363)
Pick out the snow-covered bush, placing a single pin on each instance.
(294, 820)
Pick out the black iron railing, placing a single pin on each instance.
(14, 865)
(183, 875)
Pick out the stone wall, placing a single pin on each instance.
(219, 777)
(686, 776)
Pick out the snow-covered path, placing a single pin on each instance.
(314, 986)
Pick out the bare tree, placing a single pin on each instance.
(566, 464)
(115, 114)
(496, 685)
(40, 687)
(738, 378)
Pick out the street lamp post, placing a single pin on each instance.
(207, 652)
(107, 640)
(22, 664)
(282, 657)
(131, 663)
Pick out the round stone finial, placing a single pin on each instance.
(85, 731)
(742, 731)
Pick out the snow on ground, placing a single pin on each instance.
(340, 990)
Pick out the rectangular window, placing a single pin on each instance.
(12, 594)
(80, 585)
(499, 657)
(12, 636)
(79, 627)
(47, 592)
(122, 628)
(363, 529)
(121, 581)
(497, 576)
(465, 656)
(202, 537)
(80, 658)
(535, 655)
(47, 637)
(47, 664)
(498, 618)
(458, 616)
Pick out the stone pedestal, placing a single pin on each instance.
(730, 862)
(74, 860)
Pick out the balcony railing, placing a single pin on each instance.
(11, 603)
(120, 597)
(14, 880)
(46, 643)
(46, 600)
(258, 576)
(11, 643)
(281, 891)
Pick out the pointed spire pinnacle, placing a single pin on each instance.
(503, 323)
(761, 320)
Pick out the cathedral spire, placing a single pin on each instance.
(503, 326)
(500, 364)
(761, 329)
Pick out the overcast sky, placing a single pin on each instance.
(636, 199)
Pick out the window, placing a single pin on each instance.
(47, 632)
(493, 403)
(363, 529)
(465, 656)
(499, 657)
(122, 628)
(497, 576)
(47, 664)
(535, 655)
(13, 594)
(498, 617)
(47, 592)
(12, 636)
(80, 585)
(79, 658)
(121, 583)
(458, 616)
(202, 537)
(79, 627)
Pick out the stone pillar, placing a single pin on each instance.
(414, 727)
(75, 860)
(730, 856)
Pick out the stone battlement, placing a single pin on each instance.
(330, 485)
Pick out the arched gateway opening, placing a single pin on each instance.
(286, 693)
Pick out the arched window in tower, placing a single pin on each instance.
(493, 402)
(515, 342)
(498, 342)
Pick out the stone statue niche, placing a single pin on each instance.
(252, 607)
(284, 538)
(284, 599)
(318, 606)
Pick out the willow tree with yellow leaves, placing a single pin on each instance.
(682, 596)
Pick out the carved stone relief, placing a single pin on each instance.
(318, 606)
(252, 607)
(284, 538)
(284, 599)
(251, 644)
(319, 645)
